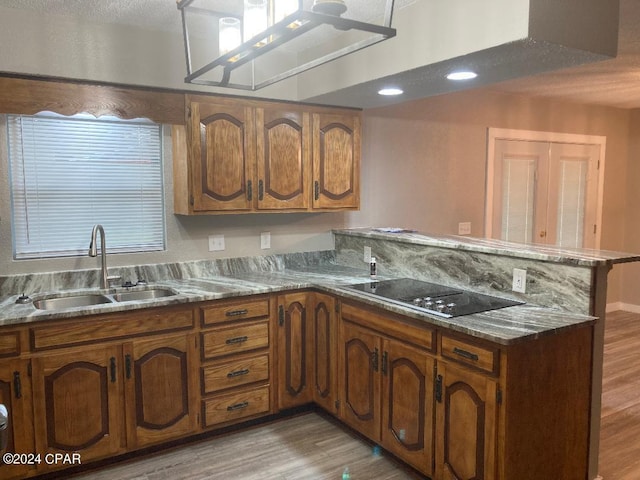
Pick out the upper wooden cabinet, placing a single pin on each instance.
(336, 161)
(242, 156)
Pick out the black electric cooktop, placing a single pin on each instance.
(433, 298)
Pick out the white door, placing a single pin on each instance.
(544, 192)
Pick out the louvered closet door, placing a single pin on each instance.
(545, 192)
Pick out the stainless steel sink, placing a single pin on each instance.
(81, 300)
(142, 294)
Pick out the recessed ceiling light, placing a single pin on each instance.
(462, 75)
(390, 91)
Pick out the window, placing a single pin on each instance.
(70, 173)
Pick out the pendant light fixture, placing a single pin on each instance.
(279, 38)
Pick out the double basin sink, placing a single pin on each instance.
(64, 301)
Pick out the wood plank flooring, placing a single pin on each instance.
(620, 430)
(312, 447)
(305, 447)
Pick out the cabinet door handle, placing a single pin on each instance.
(234, 340)
(127, 365)
(438, 388)
(237, 313)
(374, 360)
(385, 363)
(237, 406)
(17, 385)
(260, 190)
(238, 373)
(281, 315)
(465, 354)
(112, 363)
(249, 190)
(316, 190)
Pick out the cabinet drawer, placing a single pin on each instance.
(483, 358)
(235, 339)
(235, 406)
(238, 310)
(234, 373)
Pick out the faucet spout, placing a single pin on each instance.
(93, 252)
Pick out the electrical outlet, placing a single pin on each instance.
(265, 240)
(464, 228)
(519, 280)
(216, 243)
(367, 254)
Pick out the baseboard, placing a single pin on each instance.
(627, 307)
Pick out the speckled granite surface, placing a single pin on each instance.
(506, 326)
(545, 253)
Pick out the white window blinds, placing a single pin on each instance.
(70, 173)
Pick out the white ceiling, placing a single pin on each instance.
(613, 82)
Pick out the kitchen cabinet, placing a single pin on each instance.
(294, 350)
(387, 388)
(15, 394)
(466, 420)
(160, 389)
(336, 161)
(79, 402)
(324, 351)
(307, 360)
(236, 367)
(106, 395)
(243, 156)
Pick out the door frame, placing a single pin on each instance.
(494, 134)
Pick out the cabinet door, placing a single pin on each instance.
(408, 404)
(360, 380)
(336, 161)
(466, 424)
(283, 158)
(77, 398)
(160, 389)
(222, 155)
(324, 339)
(15, 394)
(293, 350)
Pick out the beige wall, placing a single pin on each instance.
(630, 282)
(426, 160)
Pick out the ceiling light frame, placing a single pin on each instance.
(278, 34)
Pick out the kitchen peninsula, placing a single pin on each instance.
(521, 376)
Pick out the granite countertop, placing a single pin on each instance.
(505, 326)
(547, 253)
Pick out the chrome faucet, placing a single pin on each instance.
(93, 252)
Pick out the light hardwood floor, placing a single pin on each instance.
(311, 447)
(304, 447)
(620, 433)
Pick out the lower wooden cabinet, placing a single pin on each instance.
(78, 402)
(466, 413)
(15, 395)
(387, 390)
(160, 389)
(307, 341)
(294, 350)
(236, 367)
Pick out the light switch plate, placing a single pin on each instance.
(265, 240)
(519, 280)
(216, 243)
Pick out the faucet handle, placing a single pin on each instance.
(111, 279)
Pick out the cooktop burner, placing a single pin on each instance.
(433, 298)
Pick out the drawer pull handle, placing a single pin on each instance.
(237, 406)
(17, 385)
(232, 341)
(237, 313)
(465, 354)
(238, 373)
